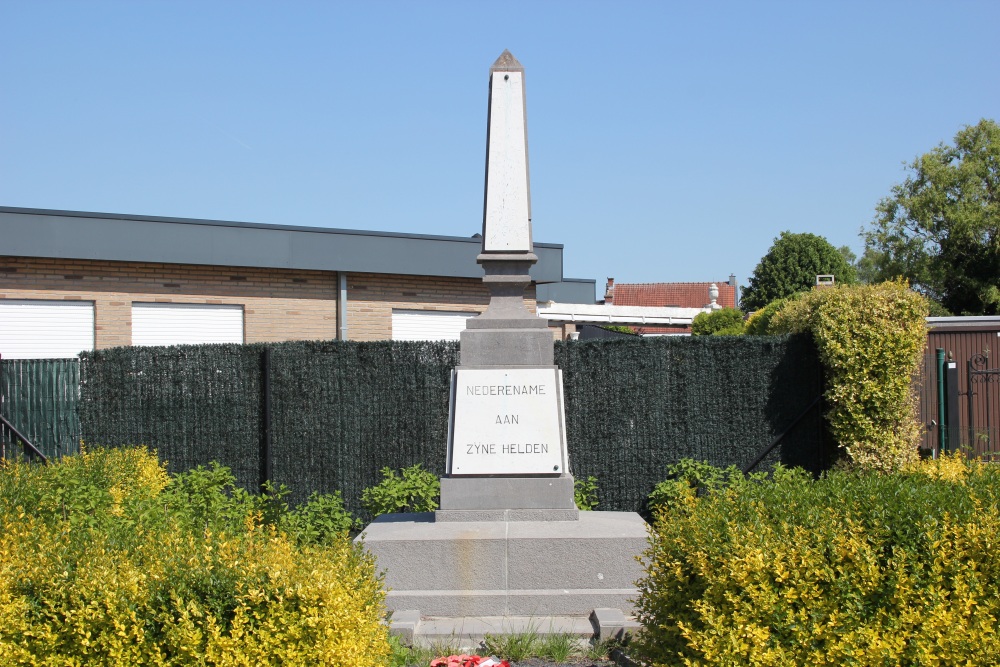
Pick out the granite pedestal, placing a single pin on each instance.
(508, 568)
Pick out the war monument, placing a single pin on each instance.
(508, 549)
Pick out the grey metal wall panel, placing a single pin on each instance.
(72, 235)
(569, 291)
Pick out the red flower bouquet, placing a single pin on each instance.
(468, 661)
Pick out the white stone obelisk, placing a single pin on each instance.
(507, 334)
(507, 206)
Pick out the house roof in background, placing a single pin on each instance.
(660, 295)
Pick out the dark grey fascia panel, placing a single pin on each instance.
(569, 290)
(124, 238)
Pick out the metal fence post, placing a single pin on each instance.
(266, 461)
(942, 433)
(951, 389)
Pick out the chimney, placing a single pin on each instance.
(609, 292)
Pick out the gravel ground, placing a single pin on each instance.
(572, 662)
(619, 659)
(538, 662)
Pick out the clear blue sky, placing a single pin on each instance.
(667, 141)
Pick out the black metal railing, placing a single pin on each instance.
(10, 435)
(781, 436)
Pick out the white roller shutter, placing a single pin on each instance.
(37, 329)
(428, 324)
(186, 323)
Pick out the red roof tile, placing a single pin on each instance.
(684, 295)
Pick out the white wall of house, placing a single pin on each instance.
(619, 315)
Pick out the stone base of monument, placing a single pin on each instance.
(507, 499)
(506, 569)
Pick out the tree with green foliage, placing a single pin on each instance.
(940, 228)
(791, 266)
(722, 322)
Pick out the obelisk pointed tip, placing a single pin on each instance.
(507, 63)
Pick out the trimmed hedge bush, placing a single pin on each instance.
(106, 560)
(722, 322)
(856, 568)
(870, 339)
(759, 321)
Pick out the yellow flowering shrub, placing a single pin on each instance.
(99, 567)
(852, 569)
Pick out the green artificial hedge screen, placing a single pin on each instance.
(341, 411)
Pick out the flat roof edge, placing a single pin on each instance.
(96, 236)
(247, 225)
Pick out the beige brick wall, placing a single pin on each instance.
(562, 330)
(371, 297)
(279, 304)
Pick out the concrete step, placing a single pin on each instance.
(467, 633)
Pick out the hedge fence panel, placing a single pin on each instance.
(341, 411)
(194, 404)
(633, 407)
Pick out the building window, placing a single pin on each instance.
(45, 329)
(186, 323)
(428, 324)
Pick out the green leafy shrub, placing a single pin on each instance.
(870, 340)
(585, 493)
(722, 322)
(620, 328)
(322, 519)
(684, 480)
(207, 498)
(759, 322)
(856, 568)
(414, 490)
(106, 560)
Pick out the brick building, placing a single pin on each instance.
(670, 295)
(71, 281)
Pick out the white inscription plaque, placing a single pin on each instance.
(507, 422)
